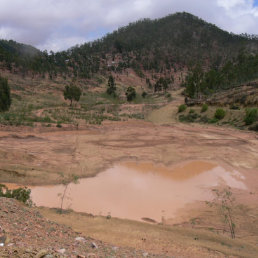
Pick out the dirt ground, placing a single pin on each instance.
(42, 156)
(34, 157)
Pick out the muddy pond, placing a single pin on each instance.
(140, 190)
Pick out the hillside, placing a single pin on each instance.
(150, 47)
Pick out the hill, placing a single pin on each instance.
(150, 47)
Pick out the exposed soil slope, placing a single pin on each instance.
(25, 233)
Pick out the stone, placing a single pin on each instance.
(94, 245)
(61, 251)
(80, 239)
(41, 253)
(48, 256)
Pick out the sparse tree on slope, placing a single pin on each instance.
(5, 96)
(72, 92)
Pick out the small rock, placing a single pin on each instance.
(41, 253)
(115, 248)
(94, 245)
(1, 244)
(145, 254)
(49, 256)
(80, 239)
(61, 251)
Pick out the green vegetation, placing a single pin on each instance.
(182, 108)
(204, 108)
(5, 96)
(72, 92)
(220, 113)
(20, 194)
(167, 44)
(111, 86)
(189, 118)
(242, 69)
(251, 116)
(130, 93)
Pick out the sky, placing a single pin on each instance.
(59, 24)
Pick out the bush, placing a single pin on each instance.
(220, 113)
(21, 194)
(254, 127)
(204, 108)
(190, 118)
(234, 107)
(144, 94)
(251, 116)
(182, 108)
(191, 111)
(5, 96)
(130, 93)
(71, 93)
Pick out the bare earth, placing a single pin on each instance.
(36, 156)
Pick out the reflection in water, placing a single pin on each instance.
(136, 191)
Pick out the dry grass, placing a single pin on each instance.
(170, 240)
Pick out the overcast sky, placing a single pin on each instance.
(60, 24)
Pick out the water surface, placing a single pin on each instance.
(140, 190)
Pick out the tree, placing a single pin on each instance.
(194, 82)
(130, 93)
(225, 203)
(111, 87)
(72, 92)
(5, 96)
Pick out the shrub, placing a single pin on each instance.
(21, 194)
(191, 111)
(234, 107)
(204, 108)
(251, 116)
(130, 93)
(144, 94)
(182, 108)
(254, 127)
(220, 113)
(5, 96)
(190, 118)
(72, 92)
(204, 119)
(213, 121)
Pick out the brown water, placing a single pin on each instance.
(136, 191)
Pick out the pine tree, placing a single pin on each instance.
(5, 96)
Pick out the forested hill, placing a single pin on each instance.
(160, 46)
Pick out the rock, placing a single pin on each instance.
(48, 256)
(145, 254)
(94, 245)
(80, 239)
(115, 248)
(41, 253)
(61, 251)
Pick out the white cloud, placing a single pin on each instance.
(59, 24)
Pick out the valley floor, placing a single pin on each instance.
(43, 156)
